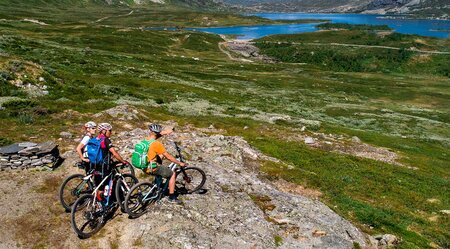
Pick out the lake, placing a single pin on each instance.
(424, 27)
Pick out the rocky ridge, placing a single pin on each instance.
(238, 207)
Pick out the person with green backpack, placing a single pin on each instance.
(148, 156)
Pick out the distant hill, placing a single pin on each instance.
(185, 3)
(420, 7)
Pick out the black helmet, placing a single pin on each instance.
(156, 128)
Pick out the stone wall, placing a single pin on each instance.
(29, 155)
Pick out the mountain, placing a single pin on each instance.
(300, 5)
(421, 7)
(185, 3)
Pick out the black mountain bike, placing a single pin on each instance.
(144, 194)
(75, 185)
(89, 214)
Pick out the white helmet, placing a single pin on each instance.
(90, 124)
(156, 128)
(104, 126)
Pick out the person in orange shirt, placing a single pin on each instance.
(156, 152)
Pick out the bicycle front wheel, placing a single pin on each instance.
(127, 169)
(139, 198)
(73, 187)
(123, 186)
(189, 180)
(87, 216)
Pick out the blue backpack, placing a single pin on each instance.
(94, 150)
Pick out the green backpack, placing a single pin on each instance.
(139, 157)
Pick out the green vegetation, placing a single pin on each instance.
(278, 240)
(90, 66)
(358, 50)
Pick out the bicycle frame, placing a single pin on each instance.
(158, 179)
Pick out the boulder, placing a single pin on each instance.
(356, 139)
(309, 140)
(445, 212)
(65, 134)
(387, 241)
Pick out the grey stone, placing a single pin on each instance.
(387, 241)
(35, 160)
(27, 144)
(65, 134)
(47, 147)
(34, 157)
(29, 151)
(45, 161)
(309, 140)
(17, 163)
(15, 157)
(445, 212)
(10, 149)
(37, 163)
(356, 139)
(26, 162)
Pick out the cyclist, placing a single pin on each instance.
(156, 152)
(108, 150)
(90, 128)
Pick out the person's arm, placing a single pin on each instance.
(79, 149)
(173, 159)
(116, 155)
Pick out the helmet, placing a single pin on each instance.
(90, 124)
(155, 128)
(104, 126)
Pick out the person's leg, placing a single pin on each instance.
(172, 184)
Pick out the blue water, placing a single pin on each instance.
(434, 28)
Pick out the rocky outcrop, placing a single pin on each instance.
(237, 209)
(28, 155)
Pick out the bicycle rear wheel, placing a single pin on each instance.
(139, 198)
(123, 186)
(87, 216)
(73, 187)
(190, 180)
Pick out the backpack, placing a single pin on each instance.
(94, 150)
(139, 157)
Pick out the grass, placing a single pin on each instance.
(89, 67)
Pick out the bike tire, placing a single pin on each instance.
(122, 188)
(70, 191)
(190, 181)
(86, 209)
(134, 204)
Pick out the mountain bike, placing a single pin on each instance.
(144, 194)
(89, 213)
(76, 185)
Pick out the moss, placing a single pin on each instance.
(278, 240)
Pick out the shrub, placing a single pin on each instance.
(5, 141)
(19, 104)
(25, 118)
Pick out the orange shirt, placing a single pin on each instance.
(156, 148)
